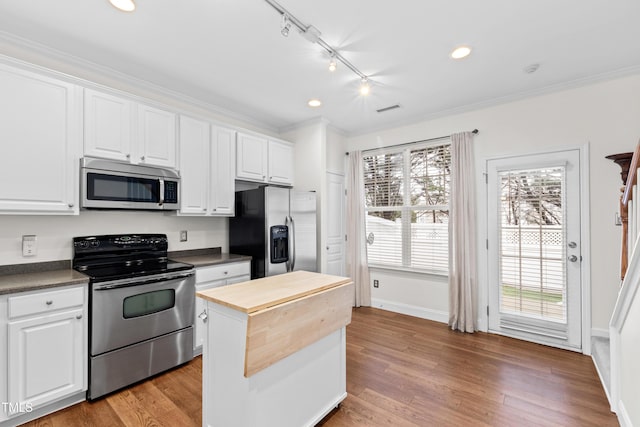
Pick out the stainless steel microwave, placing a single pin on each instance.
(109, 184)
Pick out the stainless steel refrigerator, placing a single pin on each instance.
(277, 227)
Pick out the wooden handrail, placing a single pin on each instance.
(632, 178)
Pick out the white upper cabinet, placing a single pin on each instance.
(40, 133)
(280, 162)
(156, 136)
(121, 129)
(107, 126)
(264, 160)
(207, 165)
(222, 161)
(194, 165)
(252, 158)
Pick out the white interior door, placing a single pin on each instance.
(534, 248)
(335, 245)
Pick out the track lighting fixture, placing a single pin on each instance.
(332, 63)
(312, 34)
(123, 5)
(285, 26)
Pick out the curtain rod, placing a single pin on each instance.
(413, 142)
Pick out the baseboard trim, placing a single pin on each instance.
(623, 415)
(600, 332)
(45, 410)
(411, 310)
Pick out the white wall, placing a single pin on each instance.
(336, 149)
(54, 233)
(605, 115)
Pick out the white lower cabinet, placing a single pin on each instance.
(212, 277)
(46, 358)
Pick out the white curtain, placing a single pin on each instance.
(356, 237)
(462, 235)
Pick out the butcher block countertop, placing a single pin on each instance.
(256, 295)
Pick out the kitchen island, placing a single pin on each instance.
(274, 351)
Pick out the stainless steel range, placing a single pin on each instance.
(141, 308)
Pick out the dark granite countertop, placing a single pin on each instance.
(30, 277)
(208, 259)
(42, 275)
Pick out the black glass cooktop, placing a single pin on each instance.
(132, 269)
(123, 256)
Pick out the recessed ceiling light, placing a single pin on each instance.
(123, 5)
(314, 103)
(460, 52)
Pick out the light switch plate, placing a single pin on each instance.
(29, 245)
(183, 236)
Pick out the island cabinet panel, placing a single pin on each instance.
(279, 331)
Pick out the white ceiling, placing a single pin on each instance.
(230, 53)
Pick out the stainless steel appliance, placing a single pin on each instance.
(141, 308)
(108, 184)
(277, 227)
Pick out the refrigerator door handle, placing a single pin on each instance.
(292, 243)
(288, 262)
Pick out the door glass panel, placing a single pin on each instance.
(148, 303)
(532, 249)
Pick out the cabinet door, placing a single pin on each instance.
(238, 279)
(280, 162)
(194, 166)
(47, 356)
(200, 319)
(156, 137)
(223, 156)
(107, 126)
(40, 134)
(251, 158)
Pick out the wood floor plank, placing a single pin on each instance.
(401, 371)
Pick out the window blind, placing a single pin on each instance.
(407, 203)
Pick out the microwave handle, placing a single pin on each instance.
(161, 191)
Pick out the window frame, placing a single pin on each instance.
(407, 208)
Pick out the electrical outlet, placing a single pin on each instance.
(183, 236)
(29, 246)
(376, 283)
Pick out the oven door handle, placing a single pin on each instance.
(125, 283)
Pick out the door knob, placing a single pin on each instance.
(572, 245)
(573, 258)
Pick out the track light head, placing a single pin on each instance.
(365, 87)
(285, 26)
(333, 64)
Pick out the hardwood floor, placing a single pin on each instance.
(401, 371)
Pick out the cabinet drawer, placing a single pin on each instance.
(46, 301)
(222, 271)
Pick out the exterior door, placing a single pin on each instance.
(534, 248)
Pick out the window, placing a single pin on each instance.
(407, 204)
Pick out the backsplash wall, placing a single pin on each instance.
(54, 233)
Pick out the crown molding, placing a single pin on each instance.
(48, 54)
(306, 123)
(519, 96)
